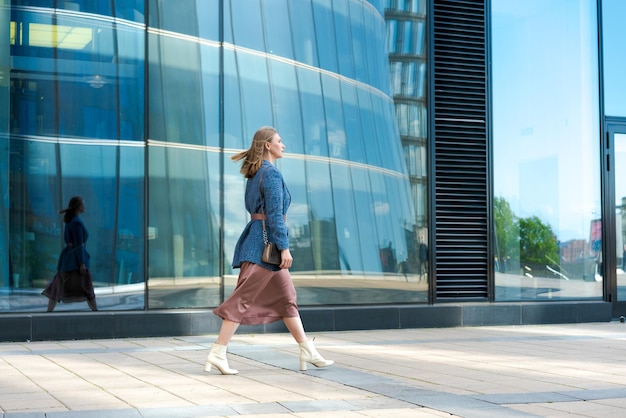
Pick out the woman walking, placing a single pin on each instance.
(72, 283)
(264, 292)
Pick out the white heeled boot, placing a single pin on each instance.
(308, 354)
(217, 358)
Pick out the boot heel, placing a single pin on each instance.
(308, 354)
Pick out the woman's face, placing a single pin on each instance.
(275, 147)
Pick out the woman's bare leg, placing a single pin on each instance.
(295, 327)
(227, 331)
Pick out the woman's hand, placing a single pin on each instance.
(285, 259)
(83, 269)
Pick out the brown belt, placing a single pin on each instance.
(262, 217)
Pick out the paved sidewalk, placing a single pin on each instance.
(573, 370)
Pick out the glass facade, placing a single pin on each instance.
(546, 150)
(138, 106)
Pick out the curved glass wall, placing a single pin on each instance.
(143, 128)
(318, 72)
(546, 150)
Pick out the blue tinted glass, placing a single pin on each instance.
(255, 92)
(235, 215)
(304, 42)
(322, 221)
(277, 28)
(35, 229)
(336, 134)
(325, 34)
(175, 107)
(614, 54)
(98, 70)
(130, 248)
(352, 117)
(179, 16)
(208, 18)
(286, 105)
(374, 29)
(302, 231)
(210, 91)
(247, 25)
(347, 213)
(343, 30)
(125, 8)
(133, 10)
(360, 45)
(364, 200)
(183, 226)
(233, 119)
(546, 50)
(312, 113)
(368, 119)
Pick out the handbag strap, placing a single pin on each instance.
(265, 240)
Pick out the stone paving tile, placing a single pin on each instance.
(318, 406)
(260, 408)
(405, 413)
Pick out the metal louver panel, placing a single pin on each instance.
(460, 150)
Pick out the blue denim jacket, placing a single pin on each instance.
(277, 200)
(75, 253)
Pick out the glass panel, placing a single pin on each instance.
(362, 41)
(181, 16)
(343, 29)
(183, 228)
(304, 42)
(614, 55)
(286, 105)
(233, 109)
(276, 23)
(76, 124)
(176, 91)
(246, 24)
(325, 34)
(546, 149)
(620, 218)
(256, 109)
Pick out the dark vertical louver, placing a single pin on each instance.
(460, 149)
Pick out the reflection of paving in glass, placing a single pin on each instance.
(30, 300)
(621, 285)
(311, 292)
(513, 287)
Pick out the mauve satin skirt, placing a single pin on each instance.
(260, 297)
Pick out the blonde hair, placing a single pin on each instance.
(253, 156)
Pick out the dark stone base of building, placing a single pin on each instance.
(102, 324)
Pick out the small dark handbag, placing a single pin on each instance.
(271, 253)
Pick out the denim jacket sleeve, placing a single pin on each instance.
(276, 199)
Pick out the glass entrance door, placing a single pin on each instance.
(619, 289)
